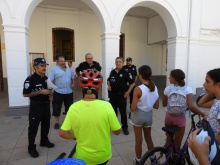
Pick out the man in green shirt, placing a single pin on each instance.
(90, 122)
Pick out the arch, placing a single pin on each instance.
(32, 5)
(161, 7)
(4, 11)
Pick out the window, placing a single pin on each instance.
(122, 45)
(63, 43)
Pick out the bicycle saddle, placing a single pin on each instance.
(170, 130)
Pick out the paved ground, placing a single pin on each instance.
(13, 139)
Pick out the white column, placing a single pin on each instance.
(17, 60)
(176, 55)
(110, 50)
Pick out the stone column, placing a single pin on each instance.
(110, 50)
(17, 61)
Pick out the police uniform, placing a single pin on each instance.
(118, 82)
(39, 111)
(132, 73)
(84, 66)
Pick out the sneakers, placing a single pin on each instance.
(33, 152)
(57, 126)
(125, 131)
(153, 160)
(47, 144)
(135, 161)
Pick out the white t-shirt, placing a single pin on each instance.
(169, 89)
(148, 98)
(72, 68)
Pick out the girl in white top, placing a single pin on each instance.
(145, 98)
(175, 114)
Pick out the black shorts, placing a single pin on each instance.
(58, 100)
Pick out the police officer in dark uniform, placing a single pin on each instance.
(35, 87)
(132, 73)
(88, 64)
(118, 90)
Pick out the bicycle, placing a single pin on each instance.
(169, 156)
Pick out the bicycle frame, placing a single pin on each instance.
(171, 149)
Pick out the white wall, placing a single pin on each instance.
(87, 37)
(208, 52)
(157, 30)
(136, 45)
(86, 29)
(3, 51)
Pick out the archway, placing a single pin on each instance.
(152, 27)
(76, 15)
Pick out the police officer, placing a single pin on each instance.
(132, 73)
(88, 64)
(35, 87)
(118, 90)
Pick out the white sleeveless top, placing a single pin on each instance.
(148, 99)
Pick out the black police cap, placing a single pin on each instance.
(129, 59)
(38, 61)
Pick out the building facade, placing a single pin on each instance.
(164, 34)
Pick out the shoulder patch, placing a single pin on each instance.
(26, 85)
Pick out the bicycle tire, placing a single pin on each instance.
(160, 153)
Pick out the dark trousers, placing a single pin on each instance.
(131, 95)
(39, 112)
(58, 100)
(117, 100)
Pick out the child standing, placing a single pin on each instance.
(212, 87)
(145, 98)
(178, 98)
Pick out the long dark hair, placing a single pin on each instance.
(179, 76)
(146, 72)
(214, 75)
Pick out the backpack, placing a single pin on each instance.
(177, 101)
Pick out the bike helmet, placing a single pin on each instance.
(90, 81)
(214, 154)
(67, 161)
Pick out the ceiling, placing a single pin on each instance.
(136, 11)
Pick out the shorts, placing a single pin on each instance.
(141, 118)
(58, 100)
(178, 120)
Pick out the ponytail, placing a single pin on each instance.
(182, 83)
(151, 85)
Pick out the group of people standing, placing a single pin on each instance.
(121, 84)
(37, 89)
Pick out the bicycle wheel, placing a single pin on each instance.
(160, 159)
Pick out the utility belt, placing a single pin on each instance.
(39, 102)
(118, 93)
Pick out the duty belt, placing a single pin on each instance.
(39, 102)
(119, 93)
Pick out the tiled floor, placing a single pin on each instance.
(13, 139)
